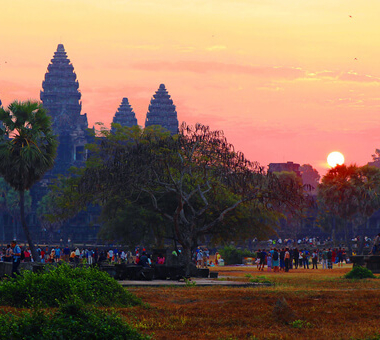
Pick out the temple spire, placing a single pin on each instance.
(162, 111)
(60, 96)
(124, 115)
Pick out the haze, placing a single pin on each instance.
(286, 80)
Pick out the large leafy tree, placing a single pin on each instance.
(193, 170)
(27, 150)
(349, 194)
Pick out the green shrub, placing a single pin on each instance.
(231, 255)
(56, 285)
(71, 321)
(359, 273)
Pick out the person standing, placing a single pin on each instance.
(8, 254)
(314, 259)
(324, 258)
(275, 260)
(287, 259)
(16, 258)
(329, 259)
(57, 254)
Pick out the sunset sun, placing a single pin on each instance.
(335, 158)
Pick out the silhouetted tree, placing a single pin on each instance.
(27, 150)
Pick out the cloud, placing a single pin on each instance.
(217, 67)
(216, 48)
(355, 77)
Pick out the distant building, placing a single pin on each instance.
(162, 111)
(124, 115)
(61, 97)
(289, 166)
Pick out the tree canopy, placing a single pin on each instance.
(27, 150)
(194, 180)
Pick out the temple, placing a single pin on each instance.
(61, 97)
(162, 111)
(124, 115)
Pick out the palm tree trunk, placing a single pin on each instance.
(33, 249)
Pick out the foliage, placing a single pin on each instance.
(27, 150)
(194, 180)
(28, 145)
(351, 194)
(10, 199)
(48, 212)
(260, 279)
(59, 284)
(359, 272)
(71, 321)
(301, 324)
(310, 176)
(232, 255)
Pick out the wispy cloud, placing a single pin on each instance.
(216, 48)
(208, 67)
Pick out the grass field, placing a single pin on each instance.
(323, 303)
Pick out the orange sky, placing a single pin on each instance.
(279, 77)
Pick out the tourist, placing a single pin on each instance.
(90, 256)
(46, 254)
(263, 256)
(314, 259)
(300, 258)
(340, 257)
(8, 254)
(52, 255)
(269, 261)
(282, 259)
(72, 256)
(199, 257)
(123, 256)
(205, 258)
(258, 258)
(287, 259)
(66, 253)
(57, 254)
(160, 259)
(329, 259)
(275, 260)
(144, 260)
(375, 245)
(77, 255)
(305, 258)
(16, 257)
(324, 258)
(27, 255)
(333, 256)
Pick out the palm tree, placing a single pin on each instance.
(27, 150)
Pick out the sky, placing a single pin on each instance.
(285, 80)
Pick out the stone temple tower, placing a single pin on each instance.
(61, 97)
(162, 111)
(124, 115)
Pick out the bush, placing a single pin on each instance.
(56, 285)
(359, 273)
(71, 321)
(231, 255)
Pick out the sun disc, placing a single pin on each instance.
(335, 158)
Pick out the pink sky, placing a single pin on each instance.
(286, 80)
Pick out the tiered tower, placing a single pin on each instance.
(124, 115)
(162, 111)
(61, 97)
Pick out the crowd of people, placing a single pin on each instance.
(283, 259)
(17, 254)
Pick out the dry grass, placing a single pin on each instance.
(326, 307)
